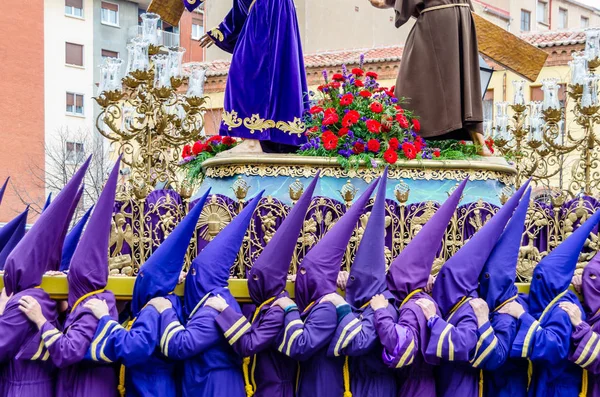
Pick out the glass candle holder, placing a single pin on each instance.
(114, 74)
(140, 54)
(196, 81)
(550, 88)
(519, 87)
(578, 68)
(589, 97)
(150, 27)
(176, 61)
(104, 77)
(162, 77)
(592, 44)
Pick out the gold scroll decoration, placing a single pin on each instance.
(509, 50)
(170, 11)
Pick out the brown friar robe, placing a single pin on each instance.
(439, 72)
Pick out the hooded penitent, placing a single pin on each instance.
(8, 242)
(590, 286)
(497, 279)
(88, 271)
(159, 275)
(459, 276)
(412, 267)
(317, 274)
(553, 274)
(72, 240)
(48, 201)
(42, 245)
(3, 189)
(268, 274)
(367, 274)
(209, 271)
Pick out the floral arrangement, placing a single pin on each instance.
(355, 120)
(194, 155)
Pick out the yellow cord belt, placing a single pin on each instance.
(346, 373)
(444, 6)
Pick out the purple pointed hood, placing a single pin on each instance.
(3, 189)
(553, 274)
(367, 274)
(317, 274)
(209, 271)
(459, 276)
(17, 229)
(48, 201)
(590, 286)
(412, 267)
(89, 265)
(268, 275)
(497, 279)
(72, 240)
(42, 245)
(159, 275)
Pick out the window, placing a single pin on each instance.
(197, 28)
(585, 22)
(109, 15)
(542, 12)
(74, 8)
(75, 153)
(563, 17)
(75, 104)
(109, 54)
(488, 105)
(74, 54)
(525, 21)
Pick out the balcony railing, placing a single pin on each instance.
(166, 39)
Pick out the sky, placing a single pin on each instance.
(593, 3)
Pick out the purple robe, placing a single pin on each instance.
(405, 343)
(147, 372)
(546, 343)
(270, 372)
(211, 368)
(503, 376)
(453, 340)
(34, 374)
(78, 377)
(266, 84)
(585, 342)
(356, 337)
(305, 339)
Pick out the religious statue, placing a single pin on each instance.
(265, 96)
(439, 73)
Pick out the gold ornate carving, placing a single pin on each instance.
(256, 123)
(231, 120)
(296, 127)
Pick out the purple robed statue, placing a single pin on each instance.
(405, 340)
(147, 371)
(310, 326)
(210, 366)
(454, 336)
(24, 373)
(502, 376)
(87, 278)
(265, 96)
(356, 336)
(267, 372)
(544, 332)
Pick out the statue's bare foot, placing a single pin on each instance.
(248, 146)
(480, 141)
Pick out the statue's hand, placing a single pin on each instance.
(379, 4)
(206, 41)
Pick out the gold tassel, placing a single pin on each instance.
(248, 387)
(480, 383)
(346, 372)
(529, 373)
(584, 384)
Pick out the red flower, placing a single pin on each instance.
(365, 94)
(399, 109)
(359, 83)
(320, 88)
(336, 84)
(227, 140)
(214, 138)
(338, 77)
(350, 118)
(436, 153)
(376, 107)
(187, 151)
(416, 125)
(386, 124)
(463, 142)
(358, 72)
(373, 145)
(313, 129)
(374, 126)
(409, 150)
(347, 100)
(391, 92)
(390, 156)
(358, 148)
(198, 148)
(330, 141)
(418, 145)
(331, 117)
(490, 144)
(343, 131)
(316, 109)
(394, 144)
(372, 75)
(402, 120)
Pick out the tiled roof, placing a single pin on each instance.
(494, 10)
(394, 53)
